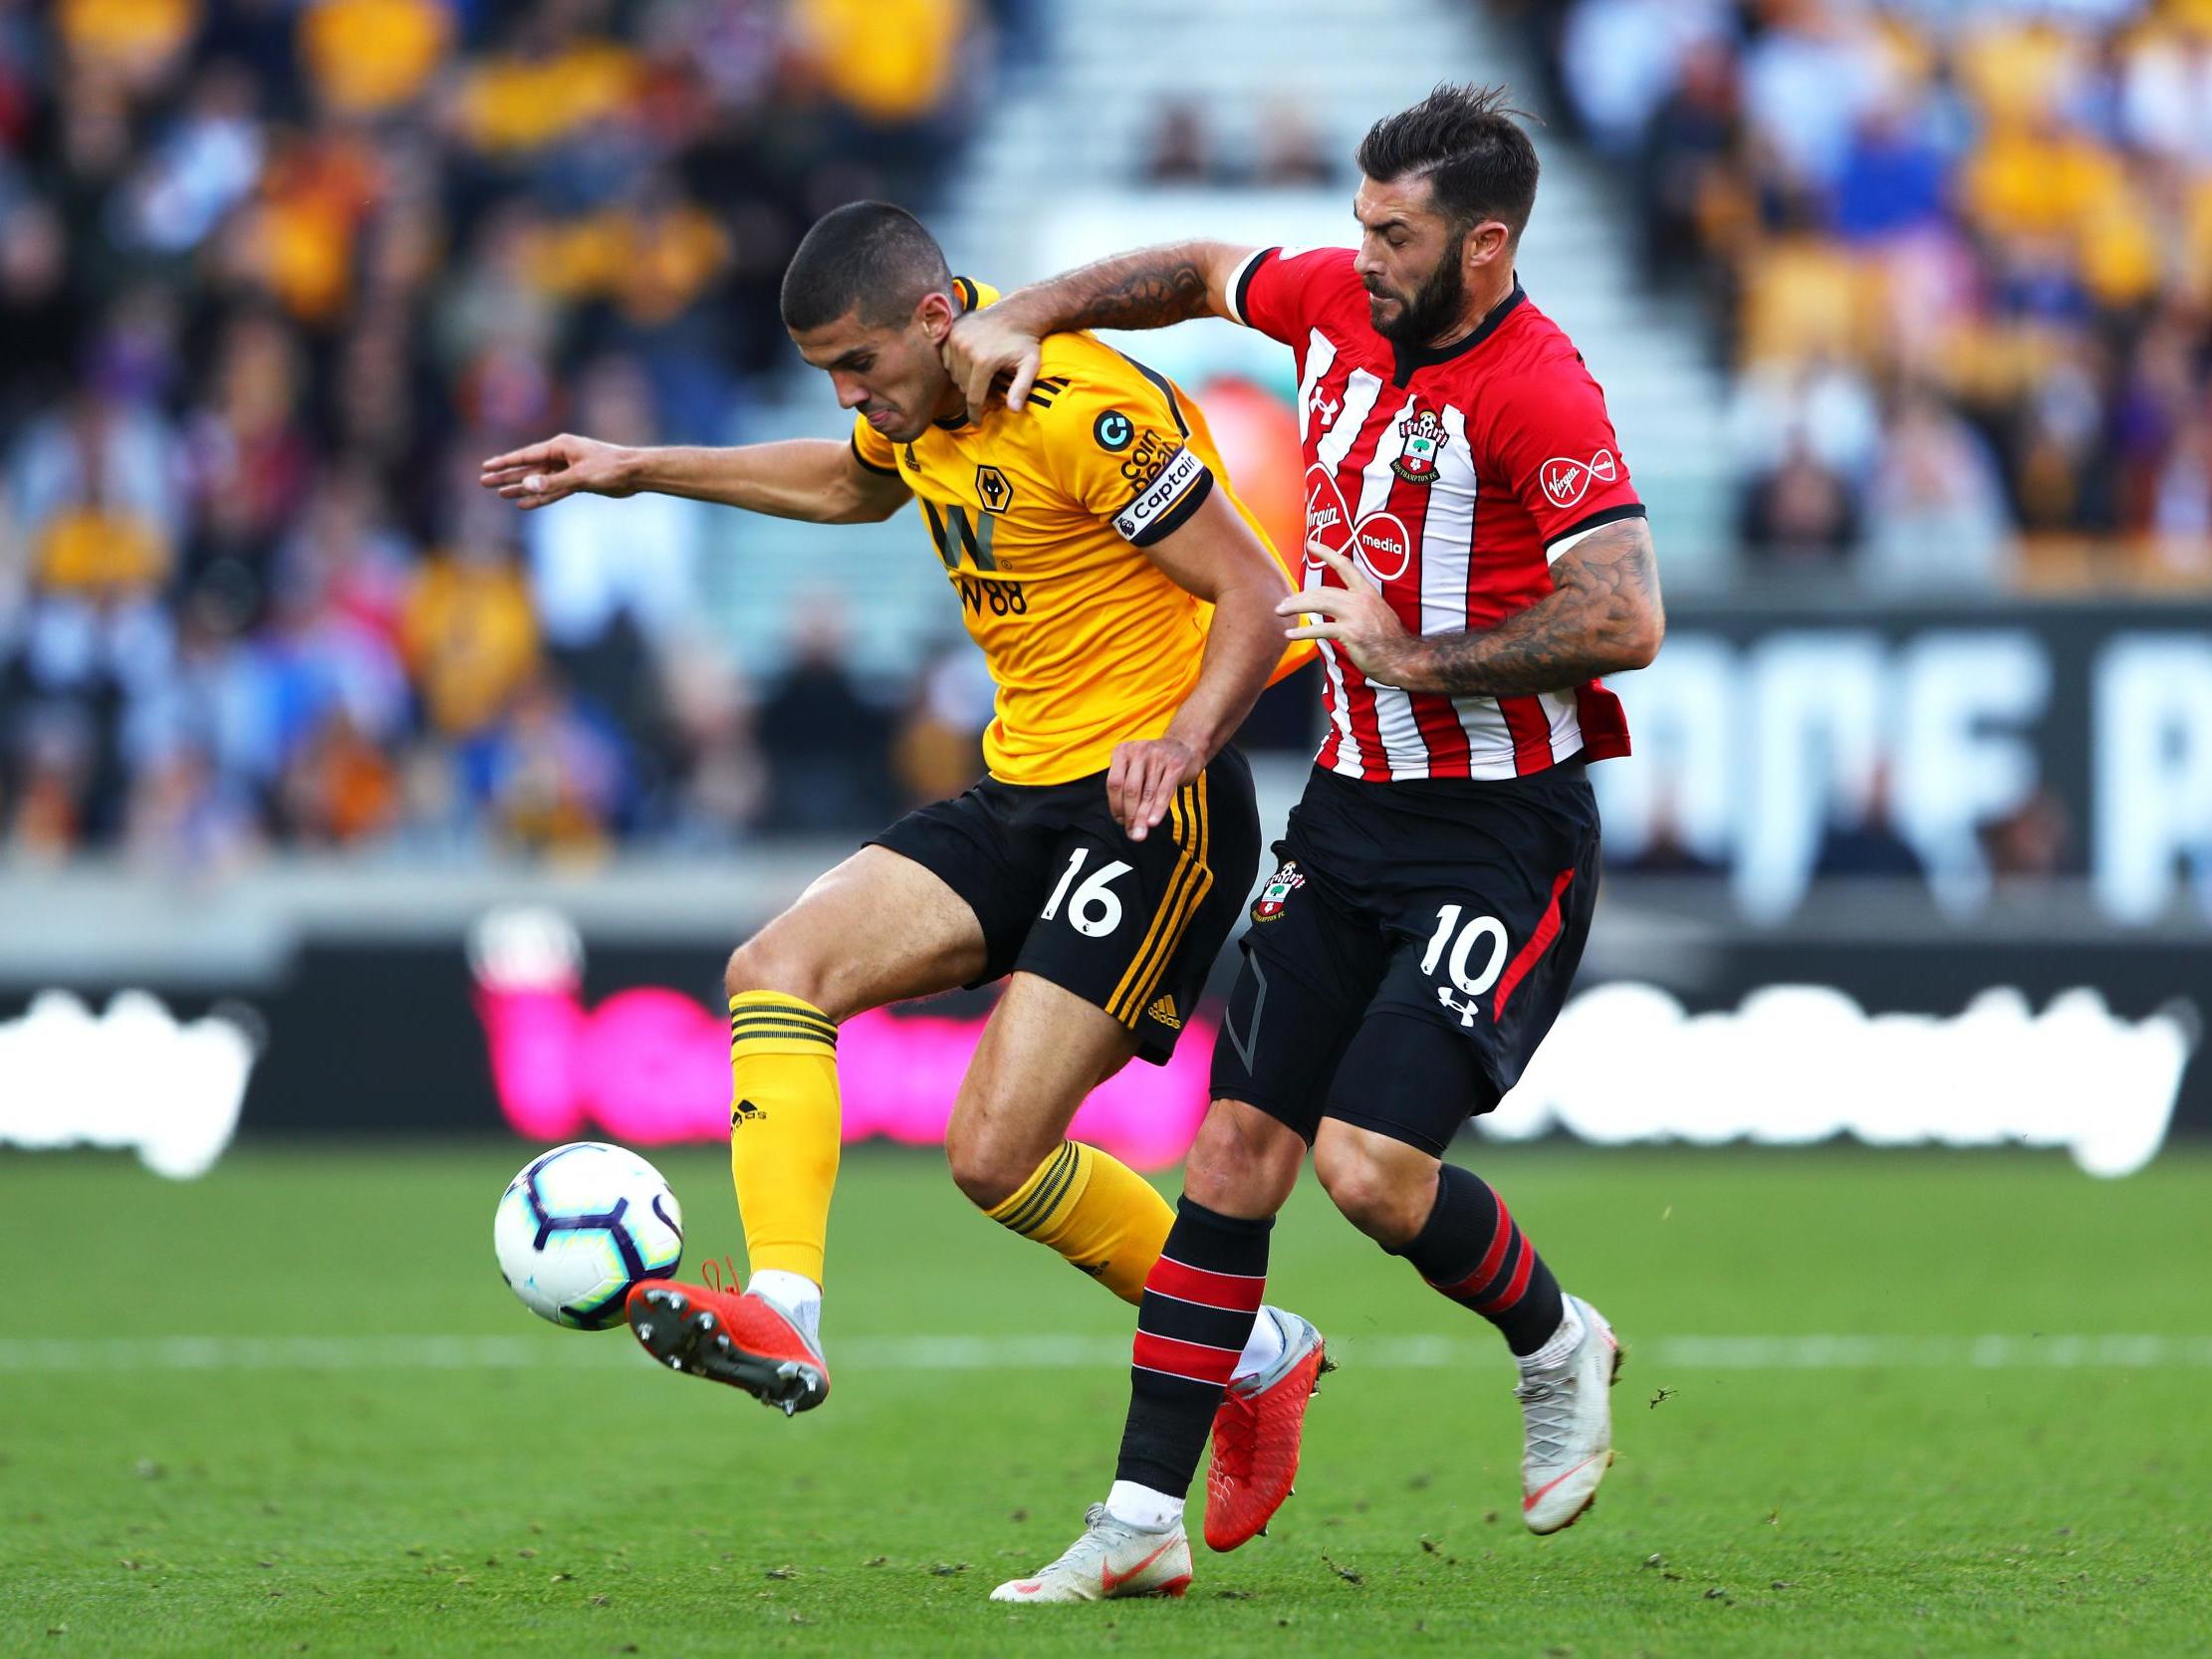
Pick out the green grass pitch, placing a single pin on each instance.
(449, 1476)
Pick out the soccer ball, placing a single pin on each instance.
(580, 1226)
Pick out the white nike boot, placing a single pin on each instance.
(1567, 1415)
(1112, 1559)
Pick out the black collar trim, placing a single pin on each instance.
(1412, 363)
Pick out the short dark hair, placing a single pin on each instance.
(1466, 143)
(868, 256)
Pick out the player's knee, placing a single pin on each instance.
(1242, 1162)
(987, 1170)
(761, 964)
(1374, 1194)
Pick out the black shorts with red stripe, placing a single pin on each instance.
(1415, 945)
(1061, 893)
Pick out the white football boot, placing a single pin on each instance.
(1567, 1415)
(1112, 1559)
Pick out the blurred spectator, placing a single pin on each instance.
(369, 57)
(1863, 840)
(938, 750)
(1282, 151)
(1667, 848)
(138, 42)
(1619, 59)
(339, 789)
(1291, 152)
(470, 637)
(551, 771)
(717, 783)
(210, 160)
(1691, 200)
(1181, 150)
(827, 744)
(1811, 74)
(95, 486)
(609, 579)
(39, 317)
(890, 61)
(1895, 178)
(2030, 844)
(1802, 516)
(1938, 507)
(189, 818)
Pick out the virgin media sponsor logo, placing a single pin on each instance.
(1328, 520)
(1379, 542)
(649, 1065)
(1566, 480)
(1386, 546)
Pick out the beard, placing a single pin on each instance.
(1432, 307)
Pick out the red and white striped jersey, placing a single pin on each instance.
(1452, 478)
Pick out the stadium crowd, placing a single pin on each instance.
(274, 276)
(1959, 257)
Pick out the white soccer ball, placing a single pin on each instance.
(580, 1226)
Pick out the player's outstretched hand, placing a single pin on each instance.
(539, 474)
(1356, 616)
(986, 347)
(1143, 777)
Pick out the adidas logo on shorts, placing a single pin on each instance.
(1163, 1010)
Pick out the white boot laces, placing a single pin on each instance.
(1094, 1518)
(1547, 1410)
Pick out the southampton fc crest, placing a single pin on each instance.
(1277, 892)
(1424, 439)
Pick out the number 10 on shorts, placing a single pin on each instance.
(1461, 960)
(1095, 908)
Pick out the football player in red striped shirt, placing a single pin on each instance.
(1477, 558)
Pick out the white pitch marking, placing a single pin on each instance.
(2002, 1352)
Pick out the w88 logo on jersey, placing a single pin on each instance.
(1000, 599)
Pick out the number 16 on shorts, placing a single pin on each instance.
(1471, 957)
(1093, 908)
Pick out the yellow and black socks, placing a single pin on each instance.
(784, 1129)
(1097, 1212)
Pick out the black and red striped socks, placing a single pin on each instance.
(1472, 1251)
(1200, 1300)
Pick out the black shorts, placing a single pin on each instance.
(1064, 894)
(1411, 950)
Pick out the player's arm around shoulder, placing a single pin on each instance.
(816, 479)
(1000, 345)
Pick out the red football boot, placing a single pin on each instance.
(746, 1341)
(1256, 1434)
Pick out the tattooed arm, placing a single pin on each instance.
(1602, 617)
(1150, 289)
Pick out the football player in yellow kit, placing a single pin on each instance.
(1124, 601)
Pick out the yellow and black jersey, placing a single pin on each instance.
(1041, 519)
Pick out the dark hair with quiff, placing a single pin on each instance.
(867, 255)
(1465, 141)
